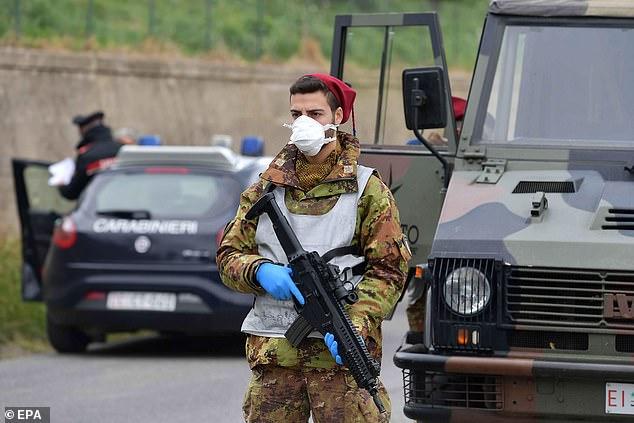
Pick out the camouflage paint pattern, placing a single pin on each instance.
(602, 8)
(378, 233)
(290, 394)
(533, 387)
(490, 220)
(555, 383)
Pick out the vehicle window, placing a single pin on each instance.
(568, 86)
(380, 117)
(41, 196)
(165, 195)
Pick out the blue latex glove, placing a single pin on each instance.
(276, 280)
(329, 339)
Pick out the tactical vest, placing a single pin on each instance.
(321, 233)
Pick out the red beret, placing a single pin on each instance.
(459, 105)
(341, 91)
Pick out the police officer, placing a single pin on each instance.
(330, 201)
(95, 151)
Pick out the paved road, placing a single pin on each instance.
(154, 379)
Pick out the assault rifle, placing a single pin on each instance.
(324, 294)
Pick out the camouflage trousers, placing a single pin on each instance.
(281, 394)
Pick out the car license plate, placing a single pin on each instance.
(619, 398)
(153, 301)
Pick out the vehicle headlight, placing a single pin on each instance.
(467, 291)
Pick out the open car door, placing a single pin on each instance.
(370, 52)
(39, 206)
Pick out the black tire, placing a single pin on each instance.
(66, 339)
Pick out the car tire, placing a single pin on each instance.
(66, 339)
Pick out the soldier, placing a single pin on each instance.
(95, 151)
(332, 202)
(459, 105)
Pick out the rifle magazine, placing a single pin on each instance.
(298, 331)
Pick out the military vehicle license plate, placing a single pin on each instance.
(152, 301)
(619, 398)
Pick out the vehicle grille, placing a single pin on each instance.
(434, 389)
(531, 187)
(624, 343)
(567, 297)
(548, 340)
(621, 219)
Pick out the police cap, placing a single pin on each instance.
(83, 120)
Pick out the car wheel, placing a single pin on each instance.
(66, 339)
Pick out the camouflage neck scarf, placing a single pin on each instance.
(310, 174)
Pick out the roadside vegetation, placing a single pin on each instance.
(22, 325)
(247, 30)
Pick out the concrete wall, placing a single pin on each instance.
(184, 101)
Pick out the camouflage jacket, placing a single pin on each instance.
(378, 234)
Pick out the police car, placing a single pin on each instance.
(137, 250)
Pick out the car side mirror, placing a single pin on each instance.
(424, 98)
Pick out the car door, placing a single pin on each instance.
(370, 53)
(39, 206)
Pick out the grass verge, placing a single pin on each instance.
(22, 325)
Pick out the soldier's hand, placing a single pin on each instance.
(329, 339)
(277, 281)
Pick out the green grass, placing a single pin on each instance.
(22, 325)
(270, 30)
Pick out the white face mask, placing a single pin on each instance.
(309, 135)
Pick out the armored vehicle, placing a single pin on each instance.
(525, 221)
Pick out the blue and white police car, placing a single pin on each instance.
(137, 250)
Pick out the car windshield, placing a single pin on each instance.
(563, 86)
(139, 194)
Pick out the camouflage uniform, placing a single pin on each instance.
(415, 312)
(277, 366)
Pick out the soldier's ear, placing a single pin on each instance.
(338, 115)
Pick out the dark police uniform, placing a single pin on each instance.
(95, 151)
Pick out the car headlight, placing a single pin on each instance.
(467, 291)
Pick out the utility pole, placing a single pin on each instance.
(16, 18)
(89, 18)
(151, 17)
(208, 7)
(258, 29)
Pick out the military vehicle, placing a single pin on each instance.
(529, 250)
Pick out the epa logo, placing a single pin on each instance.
(27, 414)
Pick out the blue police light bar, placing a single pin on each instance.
(149, 140)
(252, 146)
